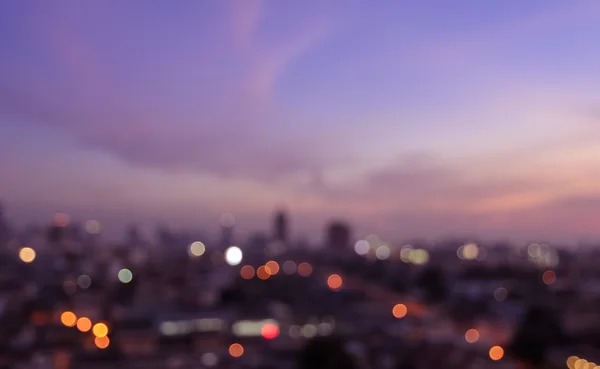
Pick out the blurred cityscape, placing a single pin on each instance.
(176, 300)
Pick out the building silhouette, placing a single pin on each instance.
(338, 235)
(280, 227)
(4, 228)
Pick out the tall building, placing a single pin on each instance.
(338, 235)
(4, 229)
(280, 227)
(132, 236)
(226, 237)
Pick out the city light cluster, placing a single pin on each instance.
(187, 326)
(84, 324)
(372, 246)
(575, 362)
(543, 255)
(268, 329)
(272, 268)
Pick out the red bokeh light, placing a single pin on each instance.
(269, 331)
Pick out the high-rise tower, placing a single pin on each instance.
(280, 227)
(338, 235)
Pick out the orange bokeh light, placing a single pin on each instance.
(84, 324)
(262, 273)
(472, 336)
(335, 282)
(272, 267)
(399, 311)
(100, 330)
(247, 272)
(236, 350)
(549, 277)
(304, 269)
(102, 342)
(68, 318)
(496, 353)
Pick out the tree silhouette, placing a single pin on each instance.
(539, 330)
(325, 353)
(433, 283)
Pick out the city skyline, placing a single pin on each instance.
(405, 120)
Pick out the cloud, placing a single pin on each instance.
(227, 131)
(246, 16)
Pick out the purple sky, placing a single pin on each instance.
(406, 118)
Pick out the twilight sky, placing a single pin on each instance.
(404, 117)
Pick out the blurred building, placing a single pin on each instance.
(338, 235)
(281, 227)
(4, 228)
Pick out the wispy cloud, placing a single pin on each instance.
(246, 16)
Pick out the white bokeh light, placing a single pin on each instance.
(197, 248)
(233, 255)
(361, 247)
(382, 252)
(125, 275)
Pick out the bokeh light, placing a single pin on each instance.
(305, 269)
(84, 324)
(69, 286)
(197, 248)
(334, 282)
(309, 330)
(227, 220)
(289, 267)
(269, 331)
(534, 250)
(100, 330)
(419, 256)
(209, 359)
(399, 311)
(361, 247)
(262, 273)
(61, 220)
(68, 318)
(27, 254)
(470, 251)
(500, 294)
(272, 267)
(125, 276)
(233, 255)
(581, 364)
(102, 342)
(549, 277)
(382, 252)
(571, 362)
(405, 253)
(247, 272)
(92, 227)
(84, 281)
(472, 335)
(236, 350)
(496, 353)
